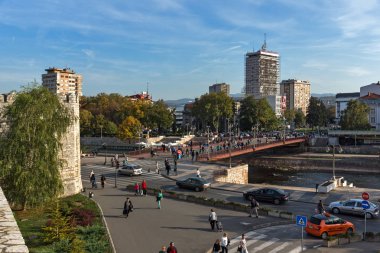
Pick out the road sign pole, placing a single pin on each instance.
(301, 238)
(365, 224)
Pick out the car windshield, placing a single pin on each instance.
(315, 221)
(280, 191)
(134, 167)
(201, 180)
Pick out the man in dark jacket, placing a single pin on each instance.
(254, 207)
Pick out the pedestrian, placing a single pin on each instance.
(216, 248)
(112, 162)
(102, 180)
(320, 207)
(137, 189)
(224, 243)
(128, 207)
(163, 249)
(157, 168)
(143, 187)
(192, 155)
(196, 155)
(167, 166)
(212, 218)
(316, 188)
(198, 173)
(175, 166)
(160, 196)
(91, 173)
(242, 245)
(93, 181)
(172, 248)
(254, 207)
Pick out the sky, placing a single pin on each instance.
(180, 47)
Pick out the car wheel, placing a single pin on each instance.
(335, 210)
(276, 201)
(324, 235)
(350, 231)
(197, 189)
(368, 215)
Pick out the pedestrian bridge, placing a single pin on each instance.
(225, 153)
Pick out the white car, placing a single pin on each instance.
(130, 170)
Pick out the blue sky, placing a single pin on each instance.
(181, 47)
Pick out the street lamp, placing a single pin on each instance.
(208, 143)
(101, 131)
(230, 144)
(340, 150)
(187, 128)
(105, 149)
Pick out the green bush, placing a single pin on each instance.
(62, 246)
(95, 238)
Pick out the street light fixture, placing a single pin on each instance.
(105, 149)
(340, 150)
(208, 143)
(230, 144)
(101, 131)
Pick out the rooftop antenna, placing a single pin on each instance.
(264, 47)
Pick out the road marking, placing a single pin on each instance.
(250, 242)
(317, 246)
(245, 223)
(278, 248)
(296, 250)
(248, 235)
(266, 244)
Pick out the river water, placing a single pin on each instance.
(309, 178)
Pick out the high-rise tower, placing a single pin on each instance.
(262, 73)
(62, 81)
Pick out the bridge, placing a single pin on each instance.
(251, 148)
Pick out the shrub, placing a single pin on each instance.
(62, 246)
(83, 217)
(94, 238)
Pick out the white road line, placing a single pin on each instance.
(278, 248)
(250, 242)
(296, 250)
(266, 244)
(248, 235)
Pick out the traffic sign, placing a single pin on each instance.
(365, 204)
(301, 220)
(365, 195)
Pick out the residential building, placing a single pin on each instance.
(371, 88)
(262, 73)
(62, 81)
(219, 87)
(373, 101)
(297, 93)
(277, 103)
(341, 101)
(141, 96)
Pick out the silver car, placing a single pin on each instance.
(354, 207)
(130, 170)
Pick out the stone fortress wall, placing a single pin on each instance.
(71, 177)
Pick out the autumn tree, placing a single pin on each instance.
(31, 166)
(129, 128)
(355, 117)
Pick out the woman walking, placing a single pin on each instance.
(216, 248)
(159, 198)
(243, 245)
(128, 207)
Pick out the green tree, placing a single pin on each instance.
(316, 113)
(248, 114)
(289, 115)
(266, 116)
(86, 119)
(258, 112)
(355, 117)
(29, 154)
(159, 116)
(299, 119)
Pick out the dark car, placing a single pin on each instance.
(273, 195)
(194, 183)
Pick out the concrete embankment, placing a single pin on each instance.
(319, 162)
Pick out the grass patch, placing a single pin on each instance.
(31, 222)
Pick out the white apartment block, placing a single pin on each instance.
(62, 81)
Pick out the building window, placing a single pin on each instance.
(373, 120)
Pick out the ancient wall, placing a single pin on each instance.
(235, 175)
(70, 173)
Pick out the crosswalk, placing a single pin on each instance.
(261, 241)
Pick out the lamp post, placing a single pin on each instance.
(105, 149)
(187, 128)
(230, 144)
(333, 149)
(101, 131)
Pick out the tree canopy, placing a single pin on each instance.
(29, 155)
(316, 113)
(355, 117)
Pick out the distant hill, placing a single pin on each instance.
(179, 102)
(318, 95)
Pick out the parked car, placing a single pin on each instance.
(194, 183)
(274, 195)
(354, 207)
(130, 170)
(324, 225)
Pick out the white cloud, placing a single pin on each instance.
(313, 64)
(356, 71)
(89, 53)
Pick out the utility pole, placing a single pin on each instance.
(230, 146)
(208, 143)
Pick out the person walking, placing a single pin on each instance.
(167, 166)
(157, 168)
(160, 196)
(93, 181)
(128, 207)
(254, 207)
(136, 188)
(175, 167)
(143, 187)
(224, 243)
(163, 249)
(192, 155)
(172, 248)
(198, 173)
(216, 248)
(212, 218)
(243, 245)
(320, 207)
(102, 180)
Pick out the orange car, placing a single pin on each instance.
(325, 225)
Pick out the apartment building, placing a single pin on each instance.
(62, 81)
(219, 87)
(297, 94)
